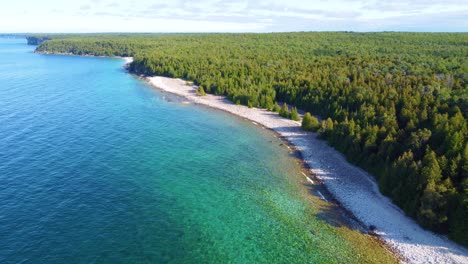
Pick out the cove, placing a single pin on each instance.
(98, 167)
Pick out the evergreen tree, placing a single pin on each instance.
(201, 91)
(276, 108)
(284, 111)
(294, 114)
(434, 201)
(430, 172)
(459, 225)
(310, 123)
(327, 127)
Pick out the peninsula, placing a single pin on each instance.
(401, 121)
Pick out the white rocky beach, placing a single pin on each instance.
(355, 189)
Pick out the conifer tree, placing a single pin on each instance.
(294, 114)
(310, 123)
(276, 108)
(201, 91)
(284, 111)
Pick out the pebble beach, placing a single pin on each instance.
(355, 189)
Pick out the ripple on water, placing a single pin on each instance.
(96, 167)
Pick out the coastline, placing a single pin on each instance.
(127, 60)
(348, 184)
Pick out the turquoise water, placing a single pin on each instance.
(97, 167)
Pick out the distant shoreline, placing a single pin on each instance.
(127, 60)
(354, 188)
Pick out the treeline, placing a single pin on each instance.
(393, 103)
(36, 40)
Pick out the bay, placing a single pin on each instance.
(98, 167)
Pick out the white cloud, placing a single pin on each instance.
(85, 7)
(233, 15)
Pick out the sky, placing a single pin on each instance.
(20, 16)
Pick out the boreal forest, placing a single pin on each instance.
(395, 104)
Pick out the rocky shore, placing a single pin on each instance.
(354, 188)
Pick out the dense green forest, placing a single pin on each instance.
(394, 104)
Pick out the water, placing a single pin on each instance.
(98, 167)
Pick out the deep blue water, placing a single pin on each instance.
(98, 167)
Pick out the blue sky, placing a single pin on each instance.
(232, 16)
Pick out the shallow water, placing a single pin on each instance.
(98, 167)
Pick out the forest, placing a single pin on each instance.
(393, 103)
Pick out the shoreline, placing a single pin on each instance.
(346, 183)
(127, 60)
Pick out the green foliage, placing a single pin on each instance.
(327, 127)
(284, 111)
(276, 108)
(433, 209)
(294, 114)
(201, 91)
(310, 123)
(459, 225)
(394, 103)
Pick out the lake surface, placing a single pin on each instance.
(98, 167)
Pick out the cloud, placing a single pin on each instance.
(158, 6)
(455, 21)
(238, 11)
(85, 7)
(296, 15)
(113, 4)
(261, 15)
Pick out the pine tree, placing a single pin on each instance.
(268, 103)
(310, 123)
(327, 127)
(284, 111)
(430, 172)
(201, 91)
(294, 114)
(432, 211)
(276, 108)
(459, 225)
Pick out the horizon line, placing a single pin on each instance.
(228, 32)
